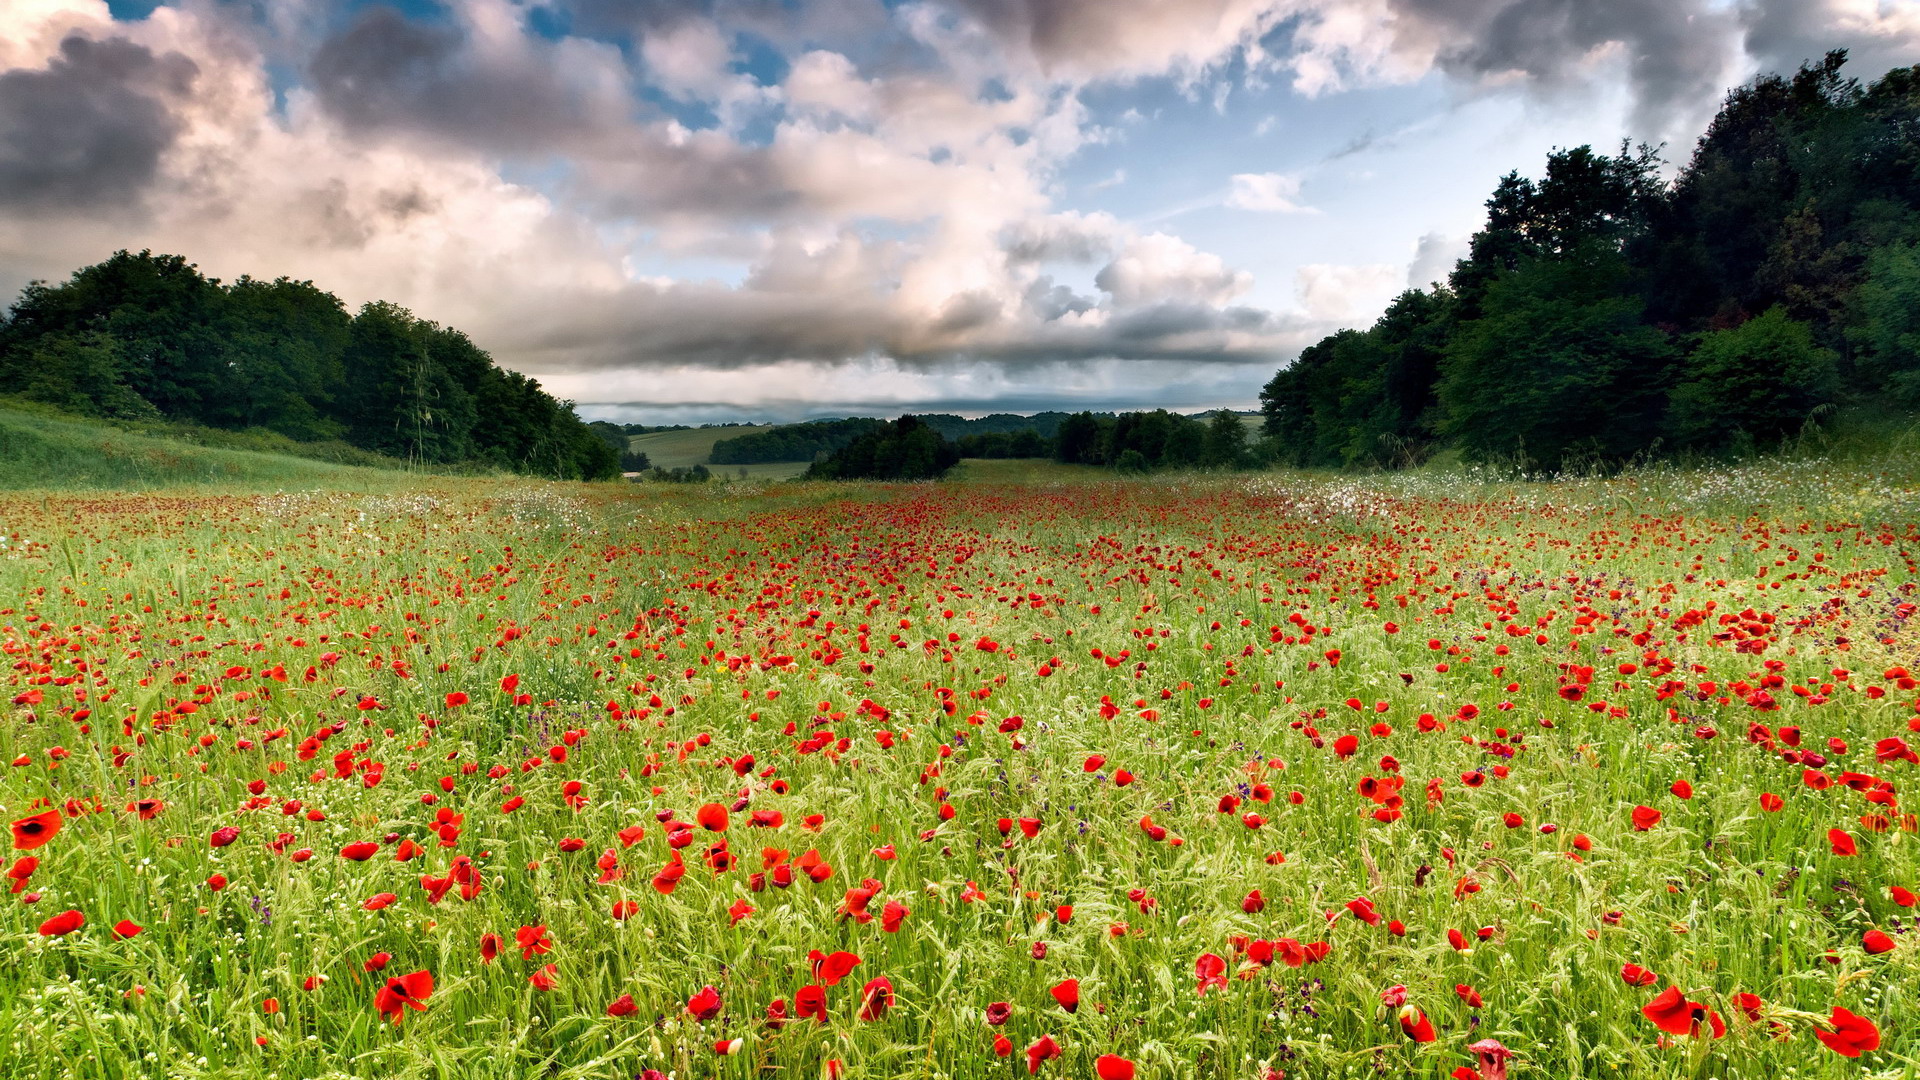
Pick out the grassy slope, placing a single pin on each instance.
(44, 452)
(677, 449)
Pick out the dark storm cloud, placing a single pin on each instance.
(386, 72)
(89, 130)
(1783, 34)
(1678, 53)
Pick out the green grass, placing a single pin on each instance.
(915, 663)
(42, 450)
(675, 449)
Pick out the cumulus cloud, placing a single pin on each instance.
(1433, 257)
(1158, 268)
(1272, 193)
(1347, 294)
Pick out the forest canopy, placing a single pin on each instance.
(148, 336)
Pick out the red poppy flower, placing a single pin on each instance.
(1672, 1013)
(1112, 1067)
(1842, 842)
(126, 928)
(532, 941)
(1876, 942)
(62, 924)
(146, 809)
(1851, 1035)
(1067, 993)
(1749, 1005)
(892, 915)
(1210, 970)
(1362, 909)
(1644, 818)
(402, 993)
(1682, 790)
(546, 978)
(831, 968)
(712, 817)
(622, 1006)
(35, 831)
(1635, 975)
(489, 947)
(361, 851)
(811, 1001)
(1468, 994)
(1903, 897)
(704, 1005)
(998, 1012)
(876, 998)
(1771, 803)
(1043, 1049)
(1415, 1024)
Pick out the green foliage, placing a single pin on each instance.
(1559, 365)
(1602, 315)
(1025, 443)
(1759, 382)
(905, 449)
(1890, 302)
(144, 336)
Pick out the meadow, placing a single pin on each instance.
(1034, 772)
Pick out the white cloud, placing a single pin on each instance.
(1158, 268)
(1271, 193)
(1347, 294)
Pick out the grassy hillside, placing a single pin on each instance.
(45, 450)
(677, 449)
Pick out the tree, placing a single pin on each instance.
(1226, 443)
(1080, 440)
(1760, 381)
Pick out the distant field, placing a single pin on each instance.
(677, 449)
(1020, 471)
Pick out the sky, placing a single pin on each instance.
(688, 211)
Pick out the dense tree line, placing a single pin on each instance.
(1044, 424)
(997, 435)
(1139, 441)
(904, 449)
(148, 336)
(1603, 314)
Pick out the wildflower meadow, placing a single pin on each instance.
(1244, 777)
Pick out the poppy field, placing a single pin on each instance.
(1238, 777)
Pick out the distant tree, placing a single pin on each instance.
(1080, 440)
(905, 449)
(1226, 442)
(634, 461)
